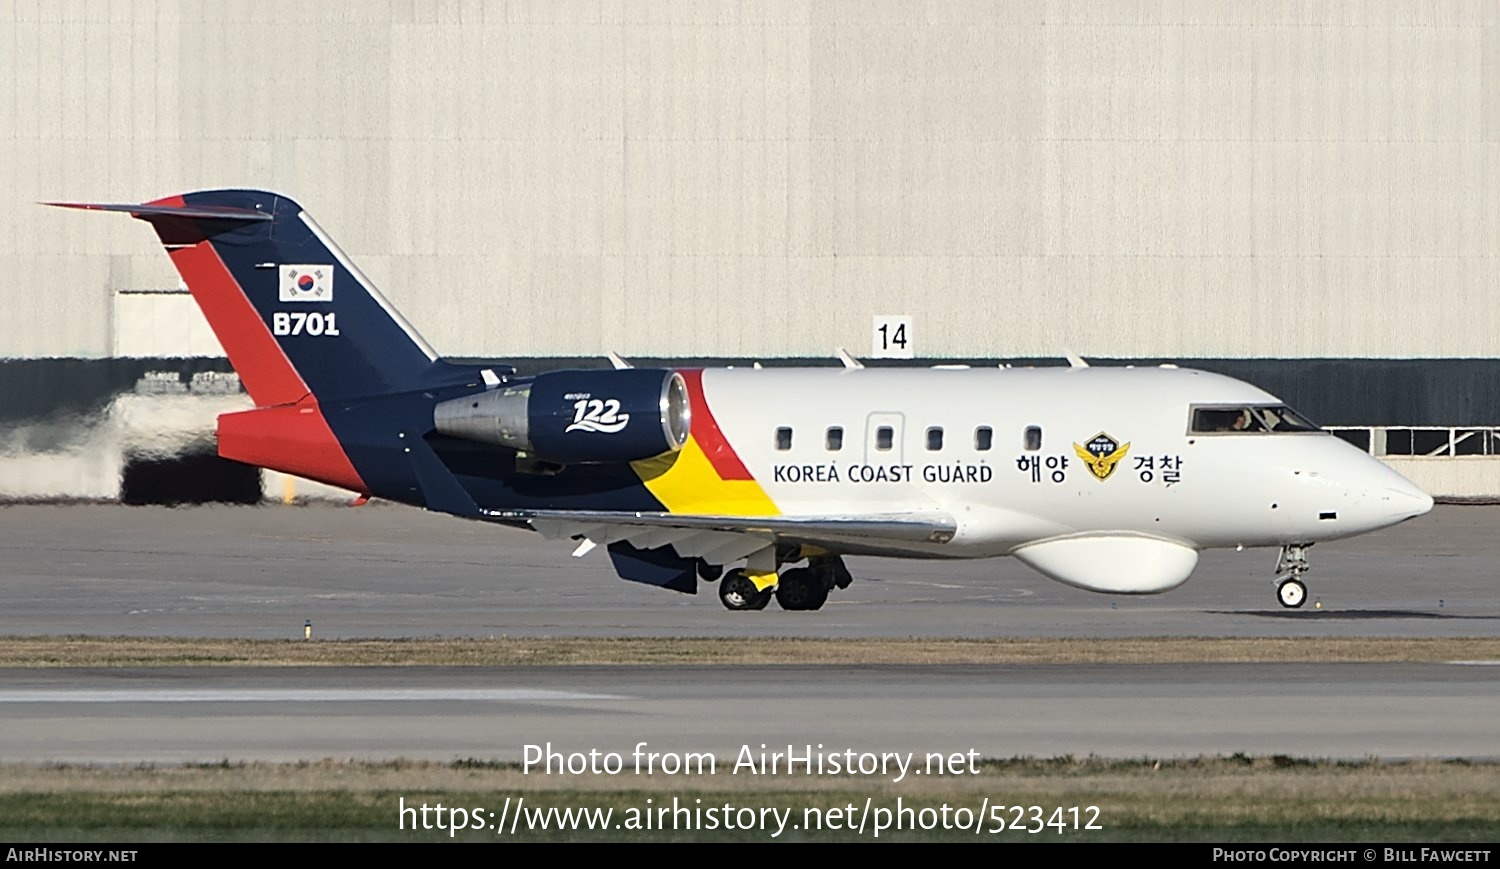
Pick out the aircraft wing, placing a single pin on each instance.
(721, 539)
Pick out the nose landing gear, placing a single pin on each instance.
(1292, 593)
(1290, 590)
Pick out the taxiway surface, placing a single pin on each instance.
(214, 714)
(391, 571)
(385, 571)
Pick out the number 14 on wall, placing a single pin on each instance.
(891, 338)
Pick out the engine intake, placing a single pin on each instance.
(577, 417)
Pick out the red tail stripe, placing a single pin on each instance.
(706, 431)
(264, 369)
(294, 439)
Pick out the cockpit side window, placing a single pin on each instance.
(1249, 419)
(1284, 419)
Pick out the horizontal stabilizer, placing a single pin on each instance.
(146, 211)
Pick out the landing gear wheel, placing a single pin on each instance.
(801, 589)
(737, 592)
(1292, 593)
(1290, 565)
(709, 572)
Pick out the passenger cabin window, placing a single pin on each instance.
(783, 438)
(1250, 419)
(835, 438)
(1033, 438)
(935, 438)
(984, 438)
(884, 437)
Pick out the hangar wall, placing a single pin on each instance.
(739, 179)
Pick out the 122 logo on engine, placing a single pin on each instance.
(598, 415)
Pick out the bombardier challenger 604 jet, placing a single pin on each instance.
(1106, 478)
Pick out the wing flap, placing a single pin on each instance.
(727, 539)
(715, 546)
(607, 527)
(731, 547)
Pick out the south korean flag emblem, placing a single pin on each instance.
(306, 284)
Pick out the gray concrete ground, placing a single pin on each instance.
(212, 714)
(385, 571)
(391, 571)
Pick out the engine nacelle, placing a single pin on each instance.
(577, 417)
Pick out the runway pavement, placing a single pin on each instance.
(209, 715)
(385, 571)
(390, 571)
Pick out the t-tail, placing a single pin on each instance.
(293, 313)
(301, 324)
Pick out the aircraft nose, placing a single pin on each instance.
(1405, 501)
(1395, 498)
(1361, 494)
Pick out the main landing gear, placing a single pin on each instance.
(1290, 589)
(738, 592)
(801, 588)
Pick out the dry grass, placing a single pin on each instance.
(1206, 799)
(1214, 778)
(512, 651)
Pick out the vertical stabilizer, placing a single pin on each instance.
(293, 313)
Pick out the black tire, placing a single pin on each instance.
(738, 593)
(1292, 594)
(709, 572)
(801, 589)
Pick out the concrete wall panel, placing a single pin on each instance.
(1128, 179)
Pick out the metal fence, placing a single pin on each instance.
(1423, 440)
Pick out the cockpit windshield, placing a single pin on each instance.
(1263, 419)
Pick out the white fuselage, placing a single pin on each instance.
(913, 441)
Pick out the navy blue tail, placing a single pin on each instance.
(294, 314)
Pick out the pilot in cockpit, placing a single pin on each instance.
(1249, 420)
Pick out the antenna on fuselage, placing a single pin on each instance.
(844, 357)
(1074, 360)
(617, 361)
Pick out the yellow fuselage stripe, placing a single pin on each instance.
(686, 482)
